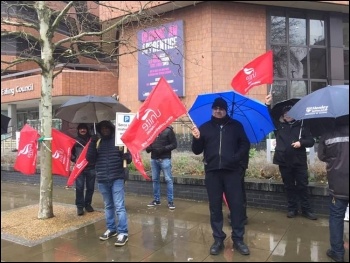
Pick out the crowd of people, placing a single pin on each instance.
(225, 148)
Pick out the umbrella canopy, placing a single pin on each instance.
(322, 108)
(253, 115)
(90, 109)
(4, 123)
(277, 109)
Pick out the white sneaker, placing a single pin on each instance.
(121, 240)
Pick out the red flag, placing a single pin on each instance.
(61, 148)
(159, 110)
(257, 72)
(27, 151)
(79, 165)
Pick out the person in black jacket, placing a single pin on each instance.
(108, 160)
(160, 151)
(224, 145)
(333, 149)
(87, 176)
(292, 138)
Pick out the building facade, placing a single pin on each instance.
(309, 40)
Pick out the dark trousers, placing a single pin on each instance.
(87, 177)
(296, 182)
(337, 210)
(228, 182)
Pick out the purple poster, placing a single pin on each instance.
(161, 54)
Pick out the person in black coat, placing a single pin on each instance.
(110, 176)
(292, 139)
(160, 151)
(87, 176)
(224, 145)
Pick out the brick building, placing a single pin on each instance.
(309, 40)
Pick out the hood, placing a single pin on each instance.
(108, 124)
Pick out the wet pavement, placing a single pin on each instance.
(161, 235)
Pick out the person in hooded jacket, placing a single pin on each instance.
(224, 145)
(292, 139)
(160, 151)
(333, 149)
(87, 176)
(110, 176)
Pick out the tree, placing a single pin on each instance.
(30, 27)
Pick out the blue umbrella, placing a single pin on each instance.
(322, 108)
(253, 115)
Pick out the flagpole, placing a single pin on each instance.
(188, 115)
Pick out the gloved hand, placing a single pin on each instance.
(149, 149)
(126, 156)
(94, 138)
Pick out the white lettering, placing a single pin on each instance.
(18, 89)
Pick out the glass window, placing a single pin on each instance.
(298, 63)
(317, 32)
(279, 61)
(297, 30)
(298, 89)
(279, 91)
(317, 85)
(318, 63)
(278, 29)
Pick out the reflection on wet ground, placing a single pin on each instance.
(160, 235)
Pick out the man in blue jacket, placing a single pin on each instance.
(110, 174)
(224, 145)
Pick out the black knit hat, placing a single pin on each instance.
(221, 103)
(286, 109)
(82, 126)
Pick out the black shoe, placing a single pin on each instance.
(309, 215)
(241, 247)
(80, 211)
(89, 208)
(292, 214)
(216, 248)
(331, 254)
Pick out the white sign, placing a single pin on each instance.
(122, 122)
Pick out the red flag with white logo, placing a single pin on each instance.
(257, 72)
(159, 110)
(79, 166)
(61, 148)
(27, 151)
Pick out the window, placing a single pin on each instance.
(298, 41)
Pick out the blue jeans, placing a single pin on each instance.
(87, 177)
(113, 198)
(337, 209)
(158, 165)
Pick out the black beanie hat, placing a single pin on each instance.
(286, 109)
(220, 102)
(82, 126)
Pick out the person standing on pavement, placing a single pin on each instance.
(333, 149)
(292, 138)
(224, 145)
(160, 151)
(87, 176)
(110, 174)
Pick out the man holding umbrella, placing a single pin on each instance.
(224, 145)
(292, 138)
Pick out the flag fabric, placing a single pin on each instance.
(61, 148)
(159, 110)
(27, 151)
(79, 166)
(257, 72)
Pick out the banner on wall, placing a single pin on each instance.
(161, 54)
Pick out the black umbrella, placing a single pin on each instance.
(4, 123)
(90, 109)
(277, 109)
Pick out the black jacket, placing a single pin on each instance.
(78, 147)
(223, 147)
(333, 149)
(108, 158)
(163, 145)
